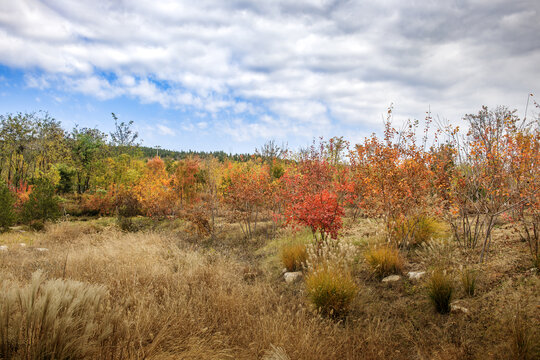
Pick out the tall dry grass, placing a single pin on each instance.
(161, 298)
(54, 319)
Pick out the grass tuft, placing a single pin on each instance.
(55, 319)
(385, 260)
(331, 290)
(294, 256)
(440, 290)
(468, 281)
(417, 230)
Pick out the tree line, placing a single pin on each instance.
(469, 179)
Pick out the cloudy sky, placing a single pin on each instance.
(229, 75)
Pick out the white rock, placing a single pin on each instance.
(42, 249)
(391, 278)
(291, 277)
(416, 275)
(22, 244)
(3, 248)
(455, 308)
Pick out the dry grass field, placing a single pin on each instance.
(88, 290)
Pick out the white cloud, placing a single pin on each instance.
(165, 130)
(284, 68)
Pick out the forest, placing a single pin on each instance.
(420, 243)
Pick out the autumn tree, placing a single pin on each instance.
(155, 190)
(310, 193)
(391, 179)
(187, 177)
(482, 188)
(245, 192)
(525, 187)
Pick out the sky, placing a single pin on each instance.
(231, 75)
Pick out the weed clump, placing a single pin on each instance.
(331, 291)
(294, 256)
(440, 290)
(385, 260)
(37, 225)
(524, 343)
(135, 224)
(468, 281)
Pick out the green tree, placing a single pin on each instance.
(42, 204)
(30, 144)
(87, 150)
(7, 214)
(67, 174)
(124, 137)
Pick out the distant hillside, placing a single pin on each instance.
(177, 155)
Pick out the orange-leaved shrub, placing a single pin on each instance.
(155, 190)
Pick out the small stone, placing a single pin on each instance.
(455, 308)
(22, 245)
(3, 248)
(416, 275)
(391, 278)
(42, 249)
(292, 277)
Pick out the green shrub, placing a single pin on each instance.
(7, 213)
(440, 290)
(330, 290)
(37, 225)
(127, 204)
(468, 280)
(385, 260)
(135, 224)
(42, 204)
(294, 256)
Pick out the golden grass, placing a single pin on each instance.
(417, 230)
(469, 281)
(177, 300)
(385, 260)
(55, 319)
(331, 290)
(294, 256)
